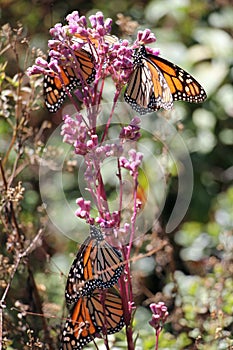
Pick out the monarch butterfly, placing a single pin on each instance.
(97, 265)
(100, 312)
(55, 87)
(155, 83)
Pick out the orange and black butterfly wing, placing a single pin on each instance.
(107, 264)
(147, 90)
(81, 280)
(106, 310)
(55, 87)
(79, 328)
(100, 312)
(182, 85)
(161, 95)
(85, 67)
(97, 265)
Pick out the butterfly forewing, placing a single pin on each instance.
(182, 85)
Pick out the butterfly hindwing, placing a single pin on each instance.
(147, 89)
(100, 312)
(79, 329)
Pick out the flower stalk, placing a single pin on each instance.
(87, 56)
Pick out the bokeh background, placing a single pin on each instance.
(192, 274)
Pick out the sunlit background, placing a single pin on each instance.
(193, 274)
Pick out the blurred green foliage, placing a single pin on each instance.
(196, 283)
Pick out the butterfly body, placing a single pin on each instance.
(97, 265)
(155, 83)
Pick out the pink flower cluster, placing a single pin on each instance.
(133, 163)
(83, 211)
(159, 315)
(131, 131)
